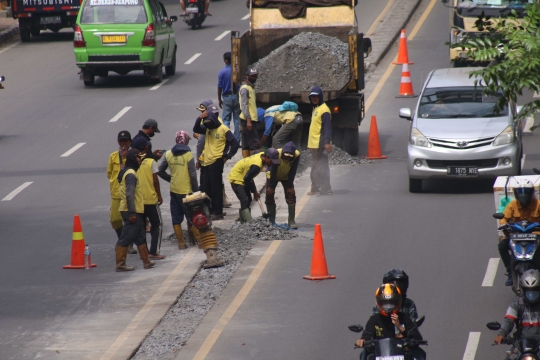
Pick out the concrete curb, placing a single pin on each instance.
(389, 29)
(7, 34)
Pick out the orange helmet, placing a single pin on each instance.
(388, 299)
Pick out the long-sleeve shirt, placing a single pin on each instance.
(514, 212)
(381, 327)
(162, 173)
(530, 320)
(131, 182)
(215, 146)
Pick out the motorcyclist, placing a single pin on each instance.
(206, 6)
(525, 310)
(389, 322)
(525, 206)
(400, 278)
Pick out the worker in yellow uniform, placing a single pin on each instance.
(117, 161)
(220, 145)
(241, 178)
(132, 211)
(183, 179)
(147, 175)
(320, 143)
(248, 115)
(291, 121)
(284, 172)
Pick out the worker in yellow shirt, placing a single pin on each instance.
(183, 179)
(117, 161)
(248, 114)
(241, 178)
(151, 192)
(132, 211)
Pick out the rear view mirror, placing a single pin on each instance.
(405, 113)
(366, 46)
(174, 18)
(356, 328)
(498, 216)
(420, 321)
(494, 325)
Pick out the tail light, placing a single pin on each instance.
(192, 1)
(149, 36)
(199, 219)
(78, 39)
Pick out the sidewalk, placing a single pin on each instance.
(9, 27)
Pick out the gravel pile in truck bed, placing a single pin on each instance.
(306, 60)
(337, 157)
(205, 288)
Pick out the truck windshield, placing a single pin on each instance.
(114, 12)
(458, 102)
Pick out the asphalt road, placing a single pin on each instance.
(46, 112)
(443, 238)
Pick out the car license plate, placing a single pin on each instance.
(192, 10)
(462, 171)
(113, 39)
(524, 237)
(50, 20)
(395, 357)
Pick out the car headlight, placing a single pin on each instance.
(418, 139)
(505, 137)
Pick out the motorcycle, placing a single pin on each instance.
(523, 243)
(524, 348)
(390, 349)
(194, 13)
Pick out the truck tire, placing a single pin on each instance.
(415, 185)
(35, 32)
(24, 34)
(351, 141)
(337, 137)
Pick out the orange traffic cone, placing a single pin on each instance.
(319, 270)
(77, 246)
(405, 88)
(374, 145)
(403, 54)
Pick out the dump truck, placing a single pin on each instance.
(269, 30)
(463, 17)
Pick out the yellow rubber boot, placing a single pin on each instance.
(180, 236)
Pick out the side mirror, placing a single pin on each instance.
(405, 113)
(173, 18)
(356, 328)
(366, 46)
(420, 321)
(2, 78)
(498, 216)
(494, 325)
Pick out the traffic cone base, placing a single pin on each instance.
(374, 145)
(319, 270)
(77, 246)
(403, 54)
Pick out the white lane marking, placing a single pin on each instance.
(10, 46)
(225, 33)
(158, 85)
(491, 271)
(536, 95)
(72, 150)
(528, 124)
(472, 345)
(245, 17)
(121, 113)
(523, 160)
(192, 59)
(14, 193)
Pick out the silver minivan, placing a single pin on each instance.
(456, 132)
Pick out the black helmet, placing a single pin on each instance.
(399, 278)
(530, 283)
(524, 192)
(388, 299)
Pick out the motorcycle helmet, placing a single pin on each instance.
(530, 284)
(524, 192)
(388, 299)
(399, 278)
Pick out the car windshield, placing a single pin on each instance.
(458, 102)
(514, 4)
(113, 12)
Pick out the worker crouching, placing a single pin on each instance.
(284, 172)
(241, 178)
(197, 205)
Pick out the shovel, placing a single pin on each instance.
(264, 214)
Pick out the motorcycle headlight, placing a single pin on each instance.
(523, 250)
(528, 357)
(505, 137)
(418, 139)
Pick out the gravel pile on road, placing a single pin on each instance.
(308, 59)
(200, 294)
(337, 157)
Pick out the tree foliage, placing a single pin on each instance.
(512, 48)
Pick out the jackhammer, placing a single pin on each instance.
(198, 205)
